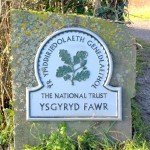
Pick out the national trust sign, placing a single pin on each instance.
(73, 67)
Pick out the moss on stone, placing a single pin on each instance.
(29, 29)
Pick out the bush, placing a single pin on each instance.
(60, 140)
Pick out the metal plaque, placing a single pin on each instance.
(73, 67)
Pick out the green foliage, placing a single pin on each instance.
(6, 129)
(140, 130)
(63, 71)
(58, 140)
(65, 56)
(88, 141)
(70, 71)
(143, 49)
(139, 127)
(137, 144)
(82, 76)
(114, 10)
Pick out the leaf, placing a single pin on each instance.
(83, 63)
(68, 72)
(76, 60)
(82, 76)
(67, 77)
(79, 58)
(65, 56)
(82, 54)
(63, 70)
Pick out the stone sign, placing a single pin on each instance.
(71, 76)
(73, 67)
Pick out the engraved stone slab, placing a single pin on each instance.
(29, 29)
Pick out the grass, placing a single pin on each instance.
(142, 60)
(136, 14)
(60, 140)
(140, 129)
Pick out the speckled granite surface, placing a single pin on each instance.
(28, 30)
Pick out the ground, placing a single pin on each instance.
(143, 83)
(141, 31)
(139, 15)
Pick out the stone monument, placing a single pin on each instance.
(70, 68)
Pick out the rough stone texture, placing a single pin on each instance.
(29, 29)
